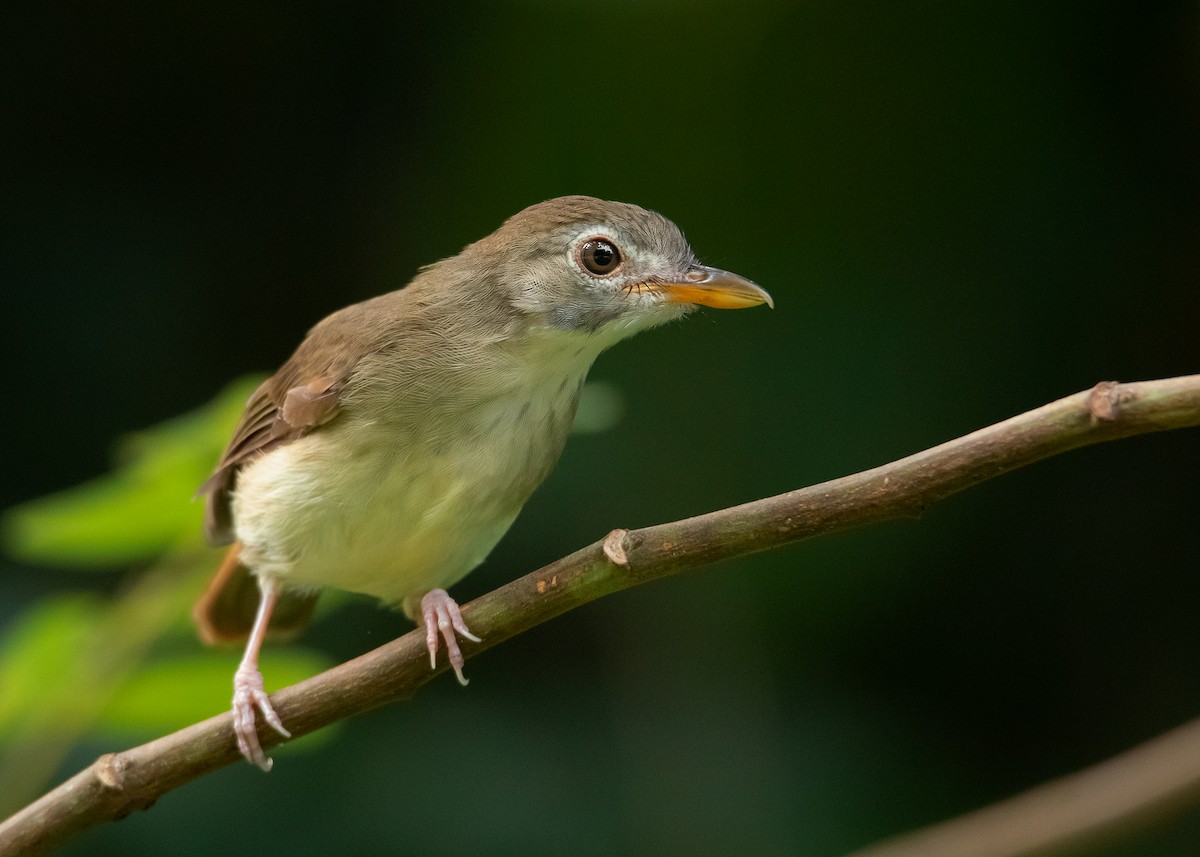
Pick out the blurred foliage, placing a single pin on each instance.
(117, 668)
(139, 510)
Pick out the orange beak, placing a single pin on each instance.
(716, 288)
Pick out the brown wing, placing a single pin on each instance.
(305, 393)
(275, 413)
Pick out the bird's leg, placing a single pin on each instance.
(248, 692)
(438, 612)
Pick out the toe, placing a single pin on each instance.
(247, 738)
(431, 636)
(459, 624)
(455, 656)
(268, 713)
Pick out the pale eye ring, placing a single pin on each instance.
(599, 256)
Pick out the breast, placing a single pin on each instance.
(395, 507)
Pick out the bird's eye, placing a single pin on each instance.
(599, 256)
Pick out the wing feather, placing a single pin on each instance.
(277, 412)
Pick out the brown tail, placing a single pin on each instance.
(225, 612)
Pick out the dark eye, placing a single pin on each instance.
(600, 256)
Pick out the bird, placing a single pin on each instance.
(398, 443)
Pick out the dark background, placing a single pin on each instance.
(962, 210)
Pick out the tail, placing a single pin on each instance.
(225, 612)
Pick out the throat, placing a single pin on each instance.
(529, 413)
(536, 412)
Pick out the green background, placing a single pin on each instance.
(963, 210)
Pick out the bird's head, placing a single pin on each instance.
(605, 268)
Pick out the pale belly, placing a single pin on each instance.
(382, 516)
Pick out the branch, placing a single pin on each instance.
(119, 783)
(1134, 789)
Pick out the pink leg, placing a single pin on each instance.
(248, 692)
(440, 613)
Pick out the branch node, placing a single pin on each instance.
(1103, 401)
(110, 771)
(614, 548)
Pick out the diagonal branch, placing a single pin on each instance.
(119, 783)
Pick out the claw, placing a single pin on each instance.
(248, 694)
(440, 614)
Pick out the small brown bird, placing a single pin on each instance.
(397, 445)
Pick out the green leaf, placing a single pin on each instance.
(38, 650)
(144, 507)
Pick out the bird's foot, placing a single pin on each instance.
(248, 694)
(440, 613)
